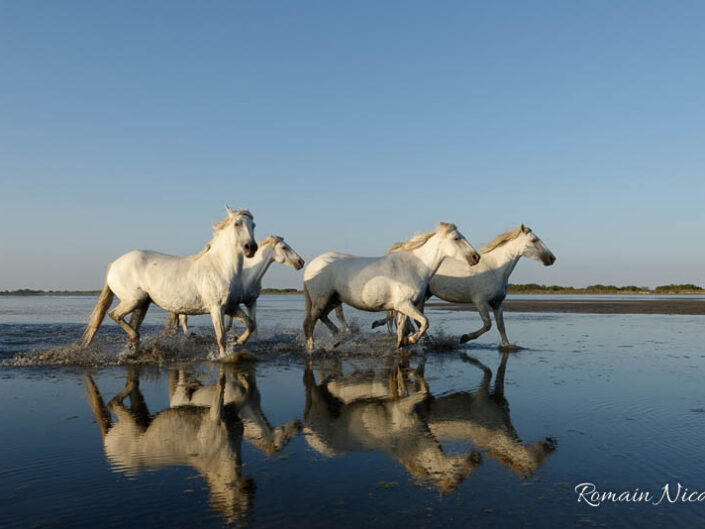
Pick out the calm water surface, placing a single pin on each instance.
(362, 435)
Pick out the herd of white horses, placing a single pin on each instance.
(227, 275)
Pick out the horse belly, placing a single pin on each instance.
(372, 296)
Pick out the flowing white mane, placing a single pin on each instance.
(271, 240)
(417, 241)
(503, 238)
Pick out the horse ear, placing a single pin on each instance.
(230, 211)
(523, 228)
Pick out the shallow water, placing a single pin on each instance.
(363, 435)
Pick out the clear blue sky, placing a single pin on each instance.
(348, 126)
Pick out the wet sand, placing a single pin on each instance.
(694, 306)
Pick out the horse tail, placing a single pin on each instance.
(101, 307)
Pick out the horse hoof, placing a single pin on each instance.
(464, 338)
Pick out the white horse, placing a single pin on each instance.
(396, 281)
(270, 250)
(486, 284)
(206, 283)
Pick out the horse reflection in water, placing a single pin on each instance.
(482, 416)
(351, 414)
(241, 391)
(207, 439)
(384, 411)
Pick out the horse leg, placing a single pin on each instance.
(486, 324)
(331, 326)
(171, 325)
(252, 313)
(228, 322)
(118, 316)
(341, 318)
(499, 320)
(409, 309)
(217, 318)
(401, 328)
(309, 320)
(183, 321)
(313, 313)
(137, 316)
(249, 324)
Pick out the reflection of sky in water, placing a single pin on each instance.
(621, 394)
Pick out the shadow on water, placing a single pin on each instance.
(387, 409)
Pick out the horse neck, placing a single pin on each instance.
(226, 256)
(430, 254)
(256, 267)
(502, 259)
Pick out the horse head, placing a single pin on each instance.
(534, 248)
(454, 245)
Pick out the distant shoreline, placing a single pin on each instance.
(683, 306)
(531, 289)
(24, 292)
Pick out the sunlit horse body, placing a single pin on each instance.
(335, 425)
(240, 391)
(207, 283)
(207, 439)
(396, 281)
(486, 284)
(270, 250)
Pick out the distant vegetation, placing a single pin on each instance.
(528, 288)
(534, 288)
(281, 291)
(31, 292)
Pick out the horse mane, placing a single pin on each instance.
(224, 222)
(271, 240)
(417, 241)
(219, 226)
(502, 238)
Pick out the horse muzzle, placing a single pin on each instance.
(299, 264)
(250, 249)
(549, 260)
(473, 259)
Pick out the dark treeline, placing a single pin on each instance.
(534, 288)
